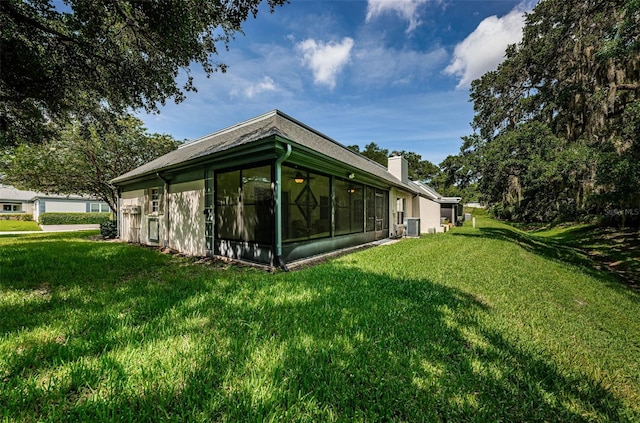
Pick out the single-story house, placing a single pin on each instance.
(13, 200)
(269, 190)
(449, 207)
(437, 209)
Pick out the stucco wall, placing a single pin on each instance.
(429, 215)
(135, 227)
(27, 208)
(186, 217)
(409, 210)
(185, 214)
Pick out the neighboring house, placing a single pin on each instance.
(475, 205)
(269, 190)
(434, 208)
(13, 200)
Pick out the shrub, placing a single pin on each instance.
(26, 217)
(73, 218)
(109, 229)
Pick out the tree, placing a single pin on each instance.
(618, 171)
(374, 152)
(65, 61)
(532, 175)
(571, 88)
(85, 157)
(419, 170)
(559, 73)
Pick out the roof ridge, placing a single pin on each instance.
(328, 138)
(230, 128)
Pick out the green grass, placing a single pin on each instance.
(18, 225)
(616, 250)
(487, 324)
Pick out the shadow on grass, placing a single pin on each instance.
(613, 249)
(565, 248)
(327, 343)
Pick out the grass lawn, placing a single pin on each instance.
(18, 225)
(486, 324)
(612, 249)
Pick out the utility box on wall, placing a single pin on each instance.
(154, 230)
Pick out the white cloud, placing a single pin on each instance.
(266, 84)
(407, 9)
(249, 88)
(325, 60)
(483, 50)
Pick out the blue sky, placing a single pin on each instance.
(393, 72)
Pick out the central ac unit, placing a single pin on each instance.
(413, 227)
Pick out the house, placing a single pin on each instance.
(475, 205)
(13, 200)
(449, 208)
(269, 190)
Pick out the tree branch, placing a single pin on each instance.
(14, 13)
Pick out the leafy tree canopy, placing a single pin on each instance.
(557, 122)
(67, 60)
(419, 170)
(376, 153)
(84, 158)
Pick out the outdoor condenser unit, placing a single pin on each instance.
(413, 227)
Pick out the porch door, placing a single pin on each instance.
(209, 215)
(380, 215)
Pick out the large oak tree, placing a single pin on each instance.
(565, 102)
(65, 60)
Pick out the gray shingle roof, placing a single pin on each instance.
(10, 193)
(261, 127)
(431, 193)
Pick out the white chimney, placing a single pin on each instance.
(398, 167)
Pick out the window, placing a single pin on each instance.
(306, 204)
(243, 200)
(99, 208)
(349, 207)
(370, 200)
(11, 207)
(400, 209)
(257, 197)
(228, 211)
(154, 201)
(382, 210)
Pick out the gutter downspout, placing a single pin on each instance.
(119, 214)
(165, 188)
(278, 211)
